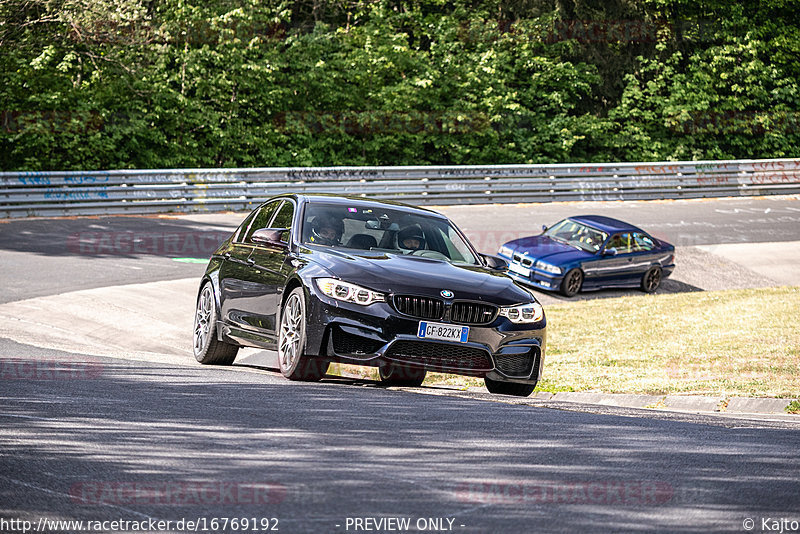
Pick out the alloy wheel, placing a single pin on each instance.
(202, 319)
(653, 280)
(574, 283)
(290, 333)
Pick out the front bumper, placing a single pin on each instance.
(539, 280)
(377, 333)
(533, 276)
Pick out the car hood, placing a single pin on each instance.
(541, 247)
(401, 274)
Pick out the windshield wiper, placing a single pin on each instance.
(562, 240)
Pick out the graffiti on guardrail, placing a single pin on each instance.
(715, 167)
(713, 180)
(657, 169)
(772, 165)
(75, 195)
(61, 193)
(44, 179)
(337, 174)
(775, 178)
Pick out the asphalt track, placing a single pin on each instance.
(105, 416)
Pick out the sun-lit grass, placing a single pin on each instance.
(738, 342)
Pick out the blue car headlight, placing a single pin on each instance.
(506, 251)
(348, 292)
(523, 313)
(547, 267)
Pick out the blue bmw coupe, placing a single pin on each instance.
(587, 253)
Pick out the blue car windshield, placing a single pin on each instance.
(376, 228)
(577, 235)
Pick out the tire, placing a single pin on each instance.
(400, 375)
(509, 388)
(294, 364)
(207, 349)
(572, 283)
(652, 279)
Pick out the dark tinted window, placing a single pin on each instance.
(239, 234)
(284, 217)
(262, 219)
(384, 229)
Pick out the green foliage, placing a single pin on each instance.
(92, 84)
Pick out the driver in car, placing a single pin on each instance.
(326, 230)
(411, 238)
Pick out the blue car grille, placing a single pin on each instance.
(525, 262)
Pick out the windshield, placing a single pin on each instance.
(577, 235)
(378, 228)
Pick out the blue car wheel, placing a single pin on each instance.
(651, 279)
(572, 283)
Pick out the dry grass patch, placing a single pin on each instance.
(738, 342)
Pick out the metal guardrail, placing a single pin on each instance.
(191, 190)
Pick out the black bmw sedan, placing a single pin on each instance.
(323, 278)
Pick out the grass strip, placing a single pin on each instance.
(743, 342)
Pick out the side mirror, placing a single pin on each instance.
(610, 252)
(494, 262)
(270, 237)
(544, 228)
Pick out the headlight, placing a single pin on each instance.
(547, 267)
(506, 251)
(348, 292)
(523, 313)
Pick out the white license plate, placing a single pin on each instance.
(519, 269)
(445, 332)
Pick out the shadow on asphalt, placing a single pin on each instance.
(327, 453)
